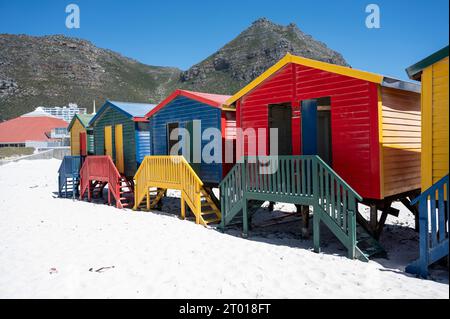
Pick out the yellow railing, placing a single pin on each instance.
(169, 172)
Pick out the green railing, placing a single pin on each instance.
(301, 180)
(231, 194)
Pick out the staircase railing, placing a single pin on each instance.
(100, 168)
(231, 194)
(170, 172)
(69, 168)
(338, 202)
(433, 226)
(302, 180)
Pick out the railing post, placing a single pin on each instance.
(317, 211)
(352, 228)
(423, 238)
(222, 208)
(244, 200)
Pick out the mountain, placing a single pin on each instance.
(251, 53)
(57, 70)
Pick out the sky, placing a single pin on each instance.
(181, 33)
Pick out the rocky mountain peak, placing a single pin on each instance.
(251, 53)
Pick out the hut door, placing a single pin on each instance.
(316, 128)
(280, 117)
(119, 148)
(108, 141)
(83, 146)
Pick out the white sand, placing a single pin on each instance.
(156, 255)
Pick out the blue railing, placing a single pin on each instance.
(69, 169)
(433, 227)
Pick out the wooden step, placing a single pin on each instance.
(212, 221)
(208, 212)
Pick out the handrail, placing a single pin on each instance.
(433, 226)
(432, 189)
(301, 180)
(341, 180)
(169, 172)
(100, 167)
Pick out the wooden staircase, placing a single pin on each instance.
(210, 212)
(299, 180)
(99, 171)
(126, 192)
(433, 226)
(69, 176)
(157, 174)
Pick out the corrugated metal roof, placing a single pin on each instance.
(29, 128)
(130, 109)
(83, 118)
(134, 109)
(218, 98)
(214, 100)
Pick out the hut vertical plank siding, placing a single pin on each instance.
(75, 131)
(143, 141)
(440, 119)
(182, 110)
(401, 140)
(112, 117)
(228, 125)
(354, 120)
(354, 125)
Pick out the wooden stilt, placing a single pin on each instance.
(183, 208)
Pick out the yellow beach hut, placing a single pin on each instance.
(81, 138)
(433, 73)
(433, 202)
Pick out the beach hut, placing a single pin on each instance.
(121, 140)
(365, 126)
(433, 73)
(199, 124)
(186, 109)
(433, 202)
(81, 137)
(121, 131)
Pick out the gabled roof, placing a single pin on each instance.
(214, 100)
(414, 71)
(29, 128)
(338, 69)
(130, 109)
(83, 118)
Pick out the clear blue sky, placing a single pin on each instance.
(183, 32)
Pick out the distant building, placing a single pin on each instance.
(37, 129)
(65, 113)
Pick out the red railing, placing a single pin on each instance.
(100, 169)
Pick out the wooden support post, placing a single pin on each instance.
(381, 223)
(245, 218)
(109, 196)
(373, 219)
(148, 198)
(183, 208)
(304, 211)
(316, 229)
(352, 228)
